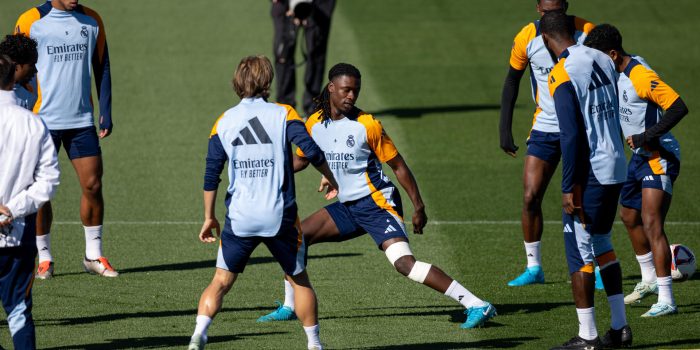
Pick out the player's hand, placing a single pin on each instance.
(509, 147)
(630, 142)
(419, 220)
(106, 127)
(5, 216)
(205, 235)
(331, 189)
(567, 202)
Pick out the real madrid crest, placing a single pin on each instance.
(624, 96)
(84, 32)
(350, 142)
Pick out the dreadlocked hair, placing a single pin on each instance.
(20, 48)
(323, 101)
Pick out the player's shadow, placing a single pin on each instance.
(157, 342)
(505, 309)
(503, 343)
(455, 315)
(129, 315)
(204, 264)
(671, 343)
(418, 112)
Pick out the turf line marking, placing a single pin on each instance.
(437, 222)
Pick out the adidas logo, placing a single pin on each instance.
(247, 135)
(648, 178)
(460, 298)
(567, 229)
(389, 229)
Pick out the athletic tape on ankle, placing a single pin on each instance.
(419, 271)
(397, 250)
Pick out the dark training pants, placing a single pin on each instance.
(316, 33)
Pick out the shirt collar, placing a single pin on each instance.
(252, 100)
(8, 97)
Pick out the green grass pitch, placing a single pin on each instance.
(433, 72)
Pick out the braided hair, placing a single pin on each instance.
(323, 101)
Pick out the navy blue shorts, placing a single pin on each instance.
(79, 143)
(379, 214)
(287, 247)
(648, 172)
(545, 146)
(599, 205)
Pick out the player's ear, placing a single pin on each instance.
(331, 87)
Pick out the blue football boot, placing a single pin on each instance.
(282, 313)
(531, 275)
(478, 315)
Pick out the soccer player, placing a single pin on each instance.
(653, 167)
(22, 51)
(28, 178)
(543, 151)
(583, 87)
(255, 138)
(356, 145)
(70, 38)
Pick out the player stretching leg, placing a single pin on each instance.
(653, 168)
(543, 150)
(356, 145)
(65, 105)
(255, 139)
(582, 84)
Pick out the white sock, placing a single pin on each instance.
(586, 323)
(202, 326)
(312, 337)
(665, 290)
(457, 292)
(646, 264)
(43, 244)
(93, 242)
(618, 316)
(288, 295)
(534, 257)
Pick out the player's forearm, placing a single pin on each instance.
(325, 170)
(46, 179)
(508, 97)
(671, 117)
(103, 83)
(299, 163)
(566, 105)
(209, 202)
(408, 181)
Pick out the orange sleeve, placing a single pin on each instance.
(216, 124)
(313, 119)
(583, 25)
(379, 142)
(291, 112)
(25, 21)
(101, 35)
(518, 53)
(650, 87)
(557, 76)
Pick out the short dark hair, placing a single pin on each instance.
(557, 24)
(604, 37)
(7, 72)
(20, 48)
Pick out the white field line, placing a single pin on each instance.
(436, 222)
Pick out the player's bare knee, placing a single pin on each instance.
(531, 201)
(93, 186)
(405, 264)
(628, 216)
